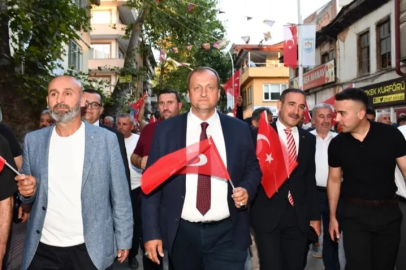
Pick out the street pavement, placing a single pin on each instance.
(18, 239)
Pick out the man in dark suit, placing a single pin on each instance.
(91, 114)
(202, 222)
(281, 223)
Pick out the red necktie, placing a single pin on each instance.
(203, 183)
(292, 156)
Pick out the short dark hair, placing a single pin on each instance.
(257, 113)
(371, 111)
(93, 91)
(401, 119)
(354, 94)
(199, 70)
(290, 90)
(169, 91)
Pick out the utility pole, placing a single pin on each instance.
(299, 44)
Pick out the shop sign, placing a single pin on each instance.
(320, 75)
(386, 93)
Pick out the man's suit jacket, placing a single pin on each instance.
(106, 204)
(266, 213)
(123, 151)
(162, 209)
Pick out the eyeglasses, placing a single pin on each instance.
(93, 105)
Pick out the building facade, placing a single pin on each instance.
(262, 76)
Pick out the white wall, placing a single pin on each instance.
(347, 48)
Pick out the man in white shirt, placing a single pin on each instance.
(125, 124)
(200, 219)
(401, 194)
(322, 119)
(81, 216)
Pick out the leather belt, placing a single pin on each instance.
(401, 199)
(372, 202)
(208, 223)
(323, 189)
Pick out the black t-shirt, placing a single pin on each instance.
(7, 183)
(9, 135)
(368, 167)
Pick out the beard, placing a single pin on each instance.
(65, 116)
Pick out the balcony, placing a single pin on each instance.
(128, 15)
(105, 64)
(107, 31)
(264, 72)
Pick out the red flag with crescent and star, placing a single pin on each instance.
(290, 46)
(199, 158)
(137, 106)
(272, 157)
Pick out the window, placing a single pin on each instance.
(77, 2)
(384, 57)
(244, 99)
(272, 92)
(75, 56)
(250, 95)
(328, 56)
(101, 17)
(364, 63)
(120, 54)
(101, 51)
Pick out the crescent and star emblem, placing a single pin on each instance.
(268, 156)
(202, 161)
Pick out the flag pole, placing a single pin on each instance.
(12, 168)
(232, 76)
(300, 22)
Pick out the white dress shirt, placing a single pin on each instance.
(97, 123)
(399, 180)
(219, 186)
(322, 157)
(282, 135)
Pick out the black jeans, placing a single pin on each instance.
(207, 247)
(62, 258)
(371, 236)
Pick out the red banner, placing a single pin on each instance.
(290, 46)
(232, 92)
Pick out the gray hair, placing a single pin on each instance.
(321, 106)
(109, 118)
(124, 115)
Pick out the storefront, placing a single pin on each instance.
(388, 96)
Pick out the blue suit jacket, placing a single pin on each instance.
(106, 205)
(162, 209)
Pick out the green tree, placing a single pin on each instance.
(165, 24)
(36, 30)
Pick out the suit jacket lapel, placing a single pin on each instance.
(227, 134)
(302, 139)
(90, 150)
(45, 167)
(181, 143)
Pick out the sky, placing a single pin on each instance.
(280, 11)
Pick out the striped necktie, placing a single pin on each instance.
(290, 141)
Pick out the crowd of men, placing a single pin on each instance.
(80, 185)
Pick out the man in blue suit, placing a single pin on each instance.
(200, 219)
(81, 216)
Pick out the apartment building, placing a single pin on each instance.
(262, 76)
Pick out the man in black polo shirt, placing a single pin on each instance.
(365, 154)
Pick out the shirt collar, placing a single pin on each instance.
(198, 121)
(281, 127)
(330, 135)
(97, 123)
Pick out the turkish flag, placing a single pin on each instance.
(152, 119)
(232, 91)
(306, 115)
(2, 163)
(272, 156)
(290, 46)
(201, 157)
(137, 106)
